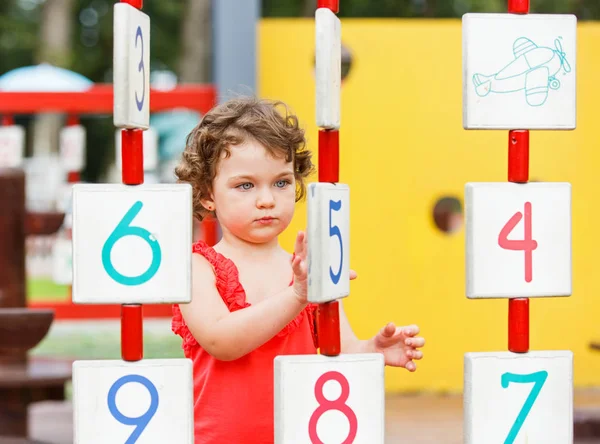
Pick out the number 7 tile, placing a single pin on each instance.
(518, 240)
(516, 398)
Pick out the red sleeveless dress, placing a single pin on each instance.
(233, 400)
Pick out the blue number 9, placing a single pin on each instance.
(124, 229)
(141, 421)
(141, 67)
(335, 231)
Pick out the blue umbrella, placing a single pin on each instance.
(43, 78)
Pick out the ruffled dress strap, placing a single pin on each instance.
(234, 296)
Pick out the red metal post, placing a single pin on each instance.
(518, 171)
(518, 325)
(334, 5)
(518, 6)
(132, 156)
(132, 161)
(132, 332)
(518, 156)
(329, 156)
(139, 4)
(328, 315)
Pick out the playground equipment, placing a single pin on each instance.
(518, 234)
(350, 384)
(23, 379)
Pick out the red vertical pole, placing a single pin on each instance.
(328, 315)
(132, 159)
(518, 172)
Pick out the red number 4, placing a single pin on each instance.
(527, 244)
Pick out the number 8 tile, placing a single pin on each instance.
(328, 242)
(518, 240)
(322, 399)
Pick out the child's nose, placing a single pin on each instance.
(265, 200)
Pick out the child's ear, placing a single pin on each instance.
(208, 204)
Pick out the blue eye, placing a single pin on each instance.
(245, 186)
(282, 183)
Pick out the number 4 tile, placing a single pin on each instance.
(518, 398)
(518, 240)
(322, 399)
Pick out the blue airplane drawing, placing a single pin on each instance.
(534, 70)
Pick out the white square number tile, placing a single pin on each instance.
(322, 399)
(328, 68)
(132, 244)
(143, 402)
(328, 242)
(519, 71)
(518, 240)
(131, 61)
(516, 398)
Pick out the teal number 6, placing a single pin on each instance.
(538, 379)
(124, 229)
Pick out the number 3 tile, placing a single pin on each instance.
(518, 398)
(518, 240)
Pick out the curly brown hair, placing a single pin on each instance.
(233, 123)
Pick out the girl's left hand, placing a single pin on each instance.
(399, 345)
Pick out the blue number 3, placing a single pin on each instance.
(335, 231)
(141, 421)
(538, 378)
(124, 229)
(141, 67)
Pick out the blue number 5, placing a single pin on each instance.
(124, 229)
(141, 421)
(538, 378)
(335, 231)
(141, 67)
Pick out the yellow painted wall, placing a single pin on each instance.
(403, 147)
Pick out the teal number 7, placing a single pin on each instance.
(538, 379)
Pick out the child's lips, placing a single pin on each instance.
(266, 220)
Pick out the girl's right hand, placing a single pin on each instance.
(300, 267)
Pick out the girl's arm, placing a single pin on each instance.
(349, 342)
(230, 335)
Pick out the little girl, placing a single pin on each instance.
(247, 164)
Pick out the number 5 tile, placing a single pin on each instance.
(518, 398)
(518, 240)
(328, 242)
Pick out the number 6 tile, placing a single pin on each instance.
(132, 244)
(328, 241)
(518, 398)
(518, 240)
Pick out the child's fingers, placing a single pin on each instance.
(414, 354)
(415, 342)
(388, 330)
(411, 366)
(353, 274)
(300, 247)
(411, 330)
